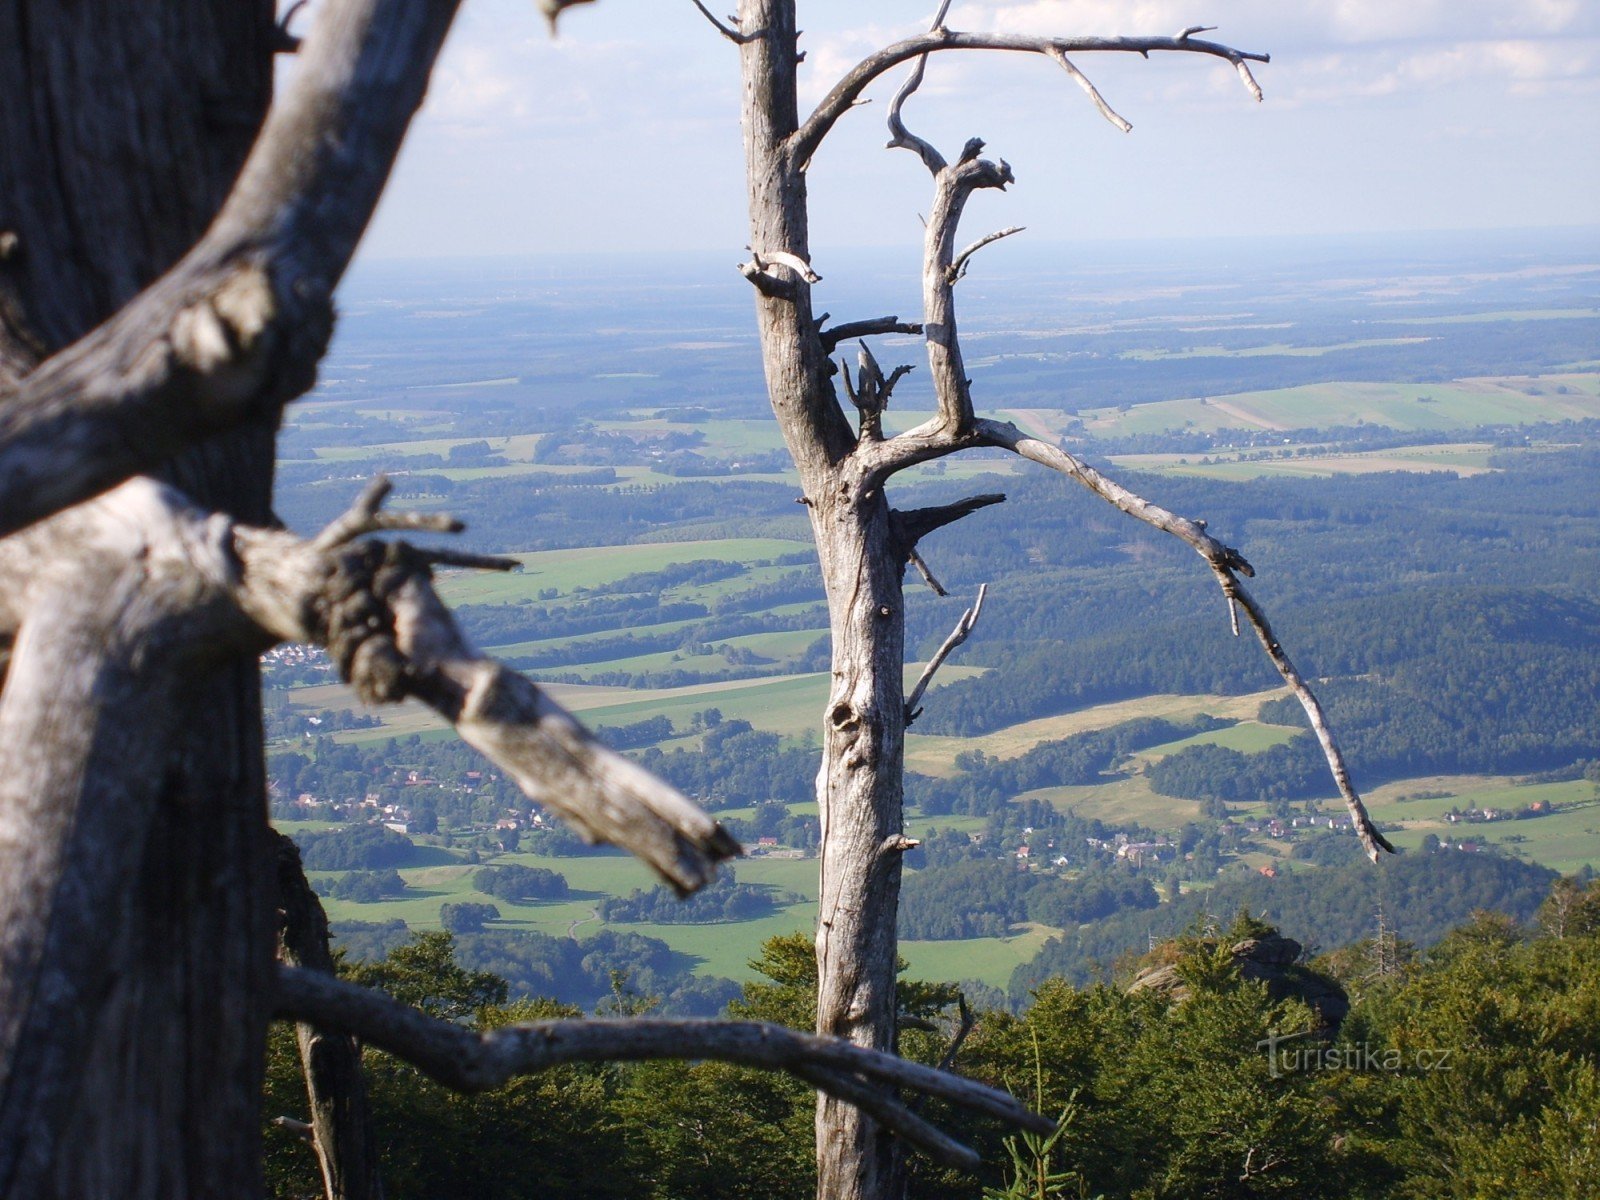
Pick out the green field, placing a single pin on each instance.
(1247, 737)
(935, 754)
(989, 960)
(1463, 458)
(597, 566)
(1463, 404)
(721, 949)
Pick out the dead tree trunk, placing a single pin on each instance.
(122, 130)
(863, 544)
(859, 785)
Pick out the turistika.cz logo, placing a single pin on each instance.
(1289, 1060)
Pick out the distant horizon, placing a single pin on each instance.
(1027, 245)
(622, 134)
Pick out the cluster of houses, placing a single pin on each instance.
(1138, 854)
(1479, 816)
(1293, 827)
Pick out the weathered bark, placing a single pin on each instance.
(137, 901)
(122, 129)
(859, 784)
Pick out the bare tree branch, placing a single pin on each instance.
(913, 524)
(300, 1129)
(552, 10)
(470, 1061)
(374, 608)
(1227, 564)
(901, 138)
(235, 329)
(952, 187)
(803, 144)
(963, 1028)
(283, 41)
(915, 560)
(959, 634)
(941, 266)
(958, 267)
(733, 35)
(367, 515)
(850, 330)
(1082, 81)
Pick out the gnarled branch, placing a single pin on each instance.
(373, 606)
(470, 1061)
(804, 142)
(234, 330)
(1227, 564)
(941, 266)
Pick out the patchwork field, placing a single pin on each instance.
(1461, 458)
(1463, 404)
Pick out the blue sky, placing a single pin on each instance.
(1380, 115)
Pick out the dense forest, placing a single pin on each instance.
(1467, 1069)
(1421, 895)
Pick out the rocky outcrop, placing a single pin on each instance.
(1268, 958)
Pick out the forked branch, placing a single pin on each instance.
(957, 269)
(1227, 564)
(844, 94)
(470, 1061)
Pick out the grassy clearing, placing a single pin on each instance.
(778, 646)
(512, 649)
(990, 960)
(1565, 840)
(1124, 800)
(724, 949)
(789, 705)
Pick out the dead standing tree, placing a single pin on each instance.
(168, 254)
(864, 544)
